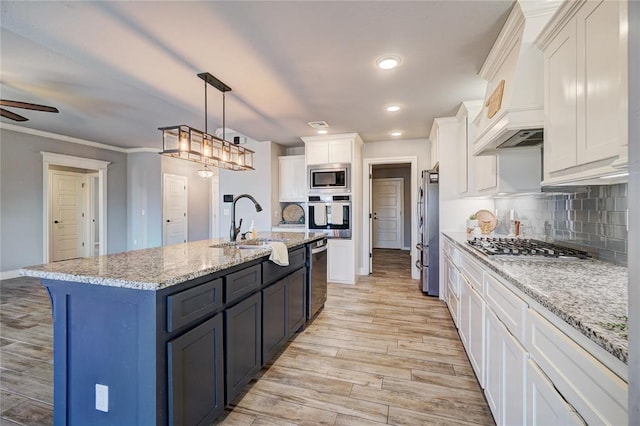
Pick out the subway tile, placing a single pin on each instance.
(589, 204)
(575, 205)
(621, 258)
(617, 218)
(616, 245)
(589, 228)
(606, 256)
(582, 216)
(620, 204)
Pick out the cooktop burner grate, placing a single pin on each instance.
(524, 247)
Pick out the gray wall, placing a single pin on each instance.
(592, 218)
(198, 197)
(21, 195)
(144, 200)
(403, 172)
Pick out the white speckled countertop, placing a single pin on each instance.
(157, 268)
(589, 295)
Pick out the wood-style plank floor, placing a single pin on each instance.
(379, 353)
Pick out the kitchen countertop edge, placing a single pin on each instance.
(609, 341)
(157, 268)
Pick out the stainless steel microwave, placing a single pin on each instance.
(329, 178)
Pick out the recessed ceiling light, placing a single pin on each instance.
(393, 108)
(323, 132)
(388, 62)
(395, 133)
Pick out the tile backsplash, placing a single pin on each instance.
(591, 218)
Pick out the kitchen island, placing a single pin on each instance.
(169, 335)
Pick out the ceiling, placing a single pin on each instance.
(119, 70)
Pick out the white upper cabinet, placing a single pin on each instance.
(329, 149)
(434, 137)
(293, 182)
(467, 162)
(585, 83)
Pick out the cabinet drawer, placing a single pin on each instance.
(508, 307)
(473, 272)
(241, 283)
(271, 272)
(450, 250)
(190, 305)
(595, 391)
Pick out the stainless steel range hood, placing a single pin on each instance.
(524, 139)
(513, 114)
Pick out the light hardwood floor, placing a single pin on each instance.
(379, 353)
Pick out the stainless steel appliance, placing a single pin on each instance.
(329, 178)
(428, 233)
(317, 277)
(330, 214)
(525, 247)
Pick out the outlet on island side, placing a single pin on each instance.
(102, 397)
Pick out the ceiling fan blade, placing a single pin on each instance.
(11, 115)
(27, 105)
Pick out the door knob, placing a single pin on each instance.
(55, 221)
(168, 221)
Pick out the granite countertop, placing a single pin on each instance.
(589, 295)
(160, 267)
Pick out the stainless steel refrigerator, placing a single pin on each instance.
(428, 233)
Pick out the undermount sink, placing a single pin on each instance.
(249, 244)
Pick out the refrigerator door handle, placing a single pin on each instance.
(420, 247)
(419, 265)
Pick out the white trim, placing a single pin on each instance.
(79, 141)
(214, 206)
(50, 158)
(366, 202)
(7, 275)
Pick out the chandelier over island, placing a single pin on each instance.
(187, 143)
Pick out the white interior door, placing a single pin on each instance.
(67, 215)
(174, 209)
(387, 213)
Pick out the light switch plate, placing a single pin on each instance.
(102, 398)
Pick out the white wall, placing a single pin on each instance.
(257, 183)
(412, 147)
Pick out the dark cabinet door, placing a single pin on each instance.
(196, 381)
(243, 344)
(274, 320)
(296, 300)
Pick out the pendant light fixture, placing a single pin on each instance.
(194, 145)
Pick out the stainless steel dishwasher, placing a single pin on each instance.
(317, 277)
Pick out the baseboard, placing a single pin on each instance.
(7, 275)
(406, 248)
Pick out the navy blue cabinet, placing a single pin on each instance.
(196, 374)
(243, 344)
(296, 300)
(274, 320)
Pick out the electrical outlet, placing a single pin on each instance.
(102, 398)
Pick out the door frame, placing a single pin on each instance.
(401, 181)
(101, 168)
(367, 163)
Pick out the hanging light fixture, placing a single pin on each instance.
(205, 173)
(194, 145)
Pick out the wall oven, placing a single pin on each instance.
(330, 214)
(329, 178)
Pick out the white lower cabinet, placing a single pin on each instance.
(505, 374)
(545, 406)
(340, 265)
(532, 372)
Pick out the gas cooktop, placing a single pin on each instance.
(524, 247)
